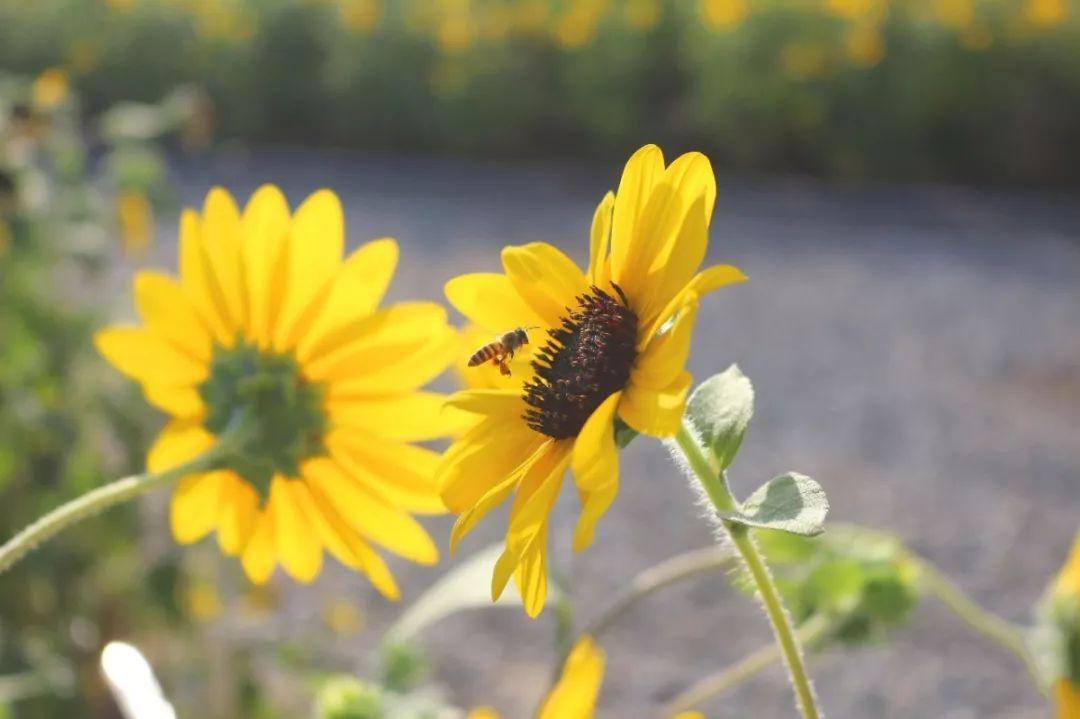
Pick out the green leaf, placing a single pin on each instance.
(791, 503)
(624, 433)
(720, 409)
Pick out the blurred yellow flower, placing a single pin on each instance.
(268, 325)
(957, 14)
(50, 89)
(642, 15)
(135, 215)
(574, 695)
(577, 25)
(864, 44)
(1046, 13)
(202, 601)
(617, 340)
(361, 16)
(343, 617)
(1066, 700)
(851, 9)
(723, 14)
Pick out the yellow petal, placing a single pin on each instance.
(147, 357)
(643, 171)
(240, 507)
(483, 713)
(412, 417)
(703, 283)
(180, 402)
(195, 506)
(595, 463)
(674, 262)
(574, 695)
(199, 281)
(297, 544)
(260, 555)
(221, 240)
(344, 543)
(402, 475)
(600, 242)
(367, 514)
(266, 224)
(354, 293)
(665, 356)
(166, 311)
(481, 459)
(179, 442)
(655, 412)
(1066, 700)
(314, 249)
(1067, 582)
(546, 279)
(531, 575)
(491, 301)
(536, 495)
(527, 533)
(489, 403)
(394, 368)
(491, 498)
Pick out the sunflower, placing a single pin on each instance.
(574, 696)
(617, 339)
(269, 326)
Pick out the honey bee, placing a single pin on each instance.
(502, 349)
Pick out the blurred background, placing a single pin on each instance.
(898, 178)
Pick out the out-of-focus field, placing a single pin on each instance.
(960, 89)
(915, 348)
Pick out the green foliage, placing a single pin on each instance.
(403, 666)
(895, 88)
(861, 581)
(720, 409)
(344, 697)
(791, 503)
(66, 423)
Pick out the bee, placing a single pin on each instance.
(502, 349)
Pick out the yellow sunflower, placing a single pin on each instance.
(1066, 595)
(269, 326)
(574, 696)
(610, 343)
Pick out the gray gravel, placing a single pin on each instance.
(916, 349)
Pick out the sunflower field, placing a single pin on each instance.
(933, 89)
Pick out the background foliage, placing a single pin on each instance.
(983, 89)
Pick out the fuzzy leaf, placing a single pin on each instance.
(791, 503)
(720, 409)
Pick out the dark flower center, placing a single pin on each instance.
(584, 361)
(283, 412)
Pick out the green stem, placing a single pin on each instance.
(102, 498)
(716, 487)
(743, 670)
(985, 623)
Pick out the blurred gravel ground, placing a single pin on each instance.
(916, 349)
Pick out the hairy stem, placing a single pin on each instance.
(102, 498)
(977, 618)
(743, 670)
(716, 488)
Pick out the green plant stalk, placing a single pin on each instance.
(744, 669)
(716, 488)
(98, 500)
(982, 621)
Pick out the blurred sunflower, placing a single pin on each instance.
(574, 695)
(1065, 607)
(617, 340)
(268, 326)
